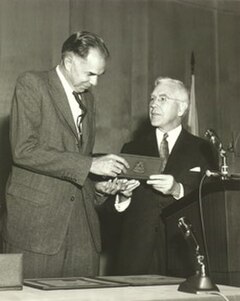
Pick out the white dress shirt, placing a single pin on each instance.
(172, 138)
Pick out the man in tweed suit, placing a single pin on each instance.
(50, 196)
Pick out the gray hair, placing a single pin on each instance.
(180, 87)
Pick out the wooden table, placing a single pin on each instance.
(139, 293)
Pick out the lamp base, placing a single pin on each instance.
(198, 284)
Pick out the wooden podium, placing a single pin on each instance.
(221, 211)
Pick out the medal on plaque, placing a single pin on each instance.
(141, 167)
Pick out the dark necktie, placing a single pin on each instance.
(164, 150)
(80, 116)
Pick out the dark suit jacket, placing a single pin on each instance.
(50, 168)
(142, 226)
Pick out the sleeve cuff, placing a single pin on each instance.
(181, 192)
(121, 206)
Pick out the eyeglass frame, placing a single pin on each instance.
(159, 101)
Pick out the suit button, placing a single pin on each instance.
(72, 199)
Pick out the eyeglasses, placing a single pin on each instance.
(162, 99)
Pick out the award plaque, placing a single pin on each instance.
(70, 283)
(143, 280)
(141, 167)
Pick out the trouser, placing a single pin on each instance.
(75, 257)
(158, 264)
(142, 249)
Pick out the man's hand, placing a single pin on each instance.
(113, 186)
(127, 187)
(109, 165)
(110, 187)
(165, 184)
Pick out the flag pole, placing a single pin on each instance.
(192, 63)
(192, 113)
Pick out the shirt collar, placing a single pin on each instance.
(172, 136)
(74, 106)
(68, 89)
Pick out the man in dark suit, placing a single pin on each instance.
(185, 158)
(50, 196)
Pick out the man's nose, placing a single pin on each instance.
(93, 80)
(153, 103)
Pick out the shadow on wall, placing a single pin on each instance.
(5, 164)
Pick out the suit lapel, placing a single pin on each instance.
(61, 102)
(150, 148)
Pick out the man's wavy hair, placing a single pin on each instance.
(81, 42)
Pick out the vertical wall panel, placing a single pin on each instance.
(31, 34)
(140, 88)
(122, 92)
(229, 76)
(181, 29)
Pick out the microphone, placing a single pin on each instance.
(186, 228)
(224, 176)
(210, 173)
(200, 282)
(214, 139)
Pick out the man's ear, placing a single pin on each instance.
(68, 61)
(182, 109)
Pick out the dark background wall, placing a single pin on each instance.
(146, 38)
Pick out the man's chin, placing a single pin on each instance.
(155, 123)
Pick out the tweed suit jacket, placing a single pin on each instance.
(50, 167)
(141, 221)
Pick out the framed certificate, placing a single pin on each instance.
(143, 280)
(70, 283)
(141, 167)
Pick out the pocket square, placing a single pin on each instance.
(195, 169)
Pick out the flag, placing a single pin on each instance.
(192, 121)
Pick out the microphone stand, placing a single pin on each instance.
(200, 282)
(224, 166)
(224, 171)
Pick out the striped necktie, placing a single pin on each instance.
(81, 115)
(164, 151)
